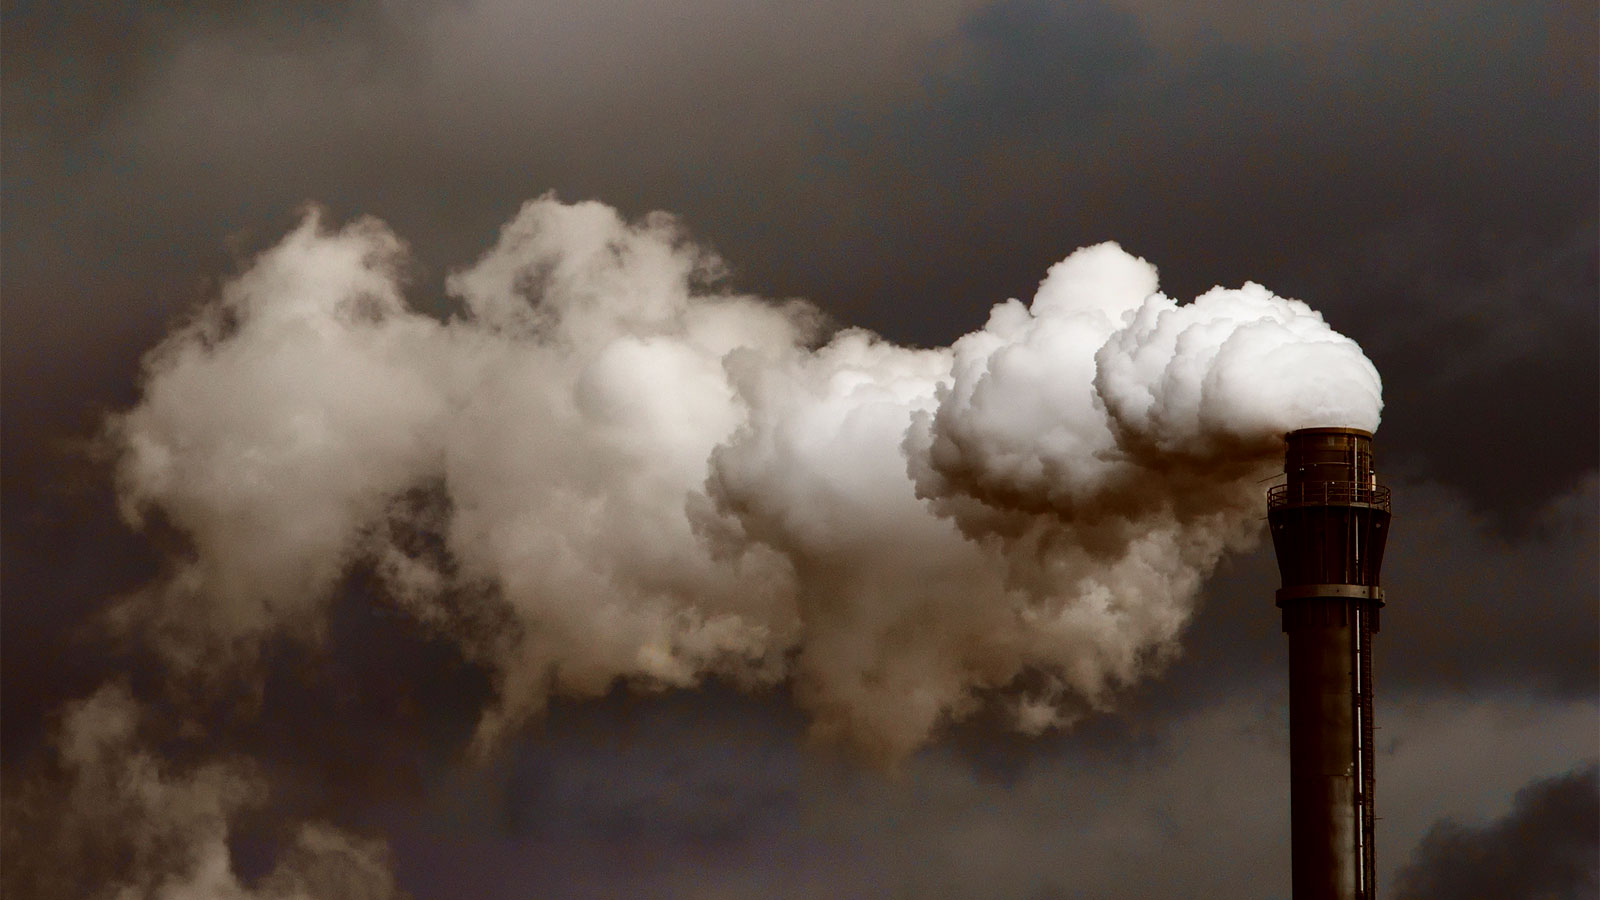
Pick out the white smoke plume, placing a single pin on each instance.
(630, 473)
(118, 821)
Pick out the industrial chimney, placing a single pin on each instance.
(1329, 521)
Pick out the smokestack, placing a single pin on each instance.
(1329, 521)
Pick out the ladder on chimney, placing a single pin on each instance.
(1366, 887)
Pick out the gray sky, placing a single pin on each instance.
(1426, 178)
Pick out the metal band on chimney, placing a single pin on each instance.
(1358, 591)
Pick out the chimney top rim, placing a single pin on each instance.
(1327, 429)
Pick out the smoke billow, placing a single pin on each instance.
(120, 821)
(637, 475)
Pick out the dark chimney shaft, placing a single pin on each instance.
(1329, 521)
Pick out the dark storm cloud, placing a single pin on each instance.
(1494, 392)
(1471, 609)
(621, 768)
(714, 795)
(1476, 611)
(1545, 847)
(68, 63)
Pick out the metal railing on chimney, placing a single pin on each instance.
(1328, 493)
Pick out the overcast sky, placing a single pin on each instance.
(1424, 176)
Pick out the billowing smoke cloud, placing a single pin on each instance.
(606, 467)
(118, 820)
